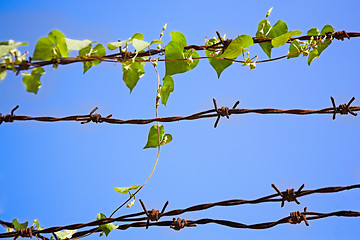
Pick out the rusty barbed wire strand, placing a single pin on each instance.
(293, 218)
(135, 216)
(216, 112)
(119, 57)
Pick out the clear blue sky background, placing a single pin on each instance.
(63, 173)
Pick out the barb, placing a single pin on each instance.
(224, 111)
(289, 195)
(137, 220)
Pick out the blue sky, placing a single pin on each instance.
(63, 173)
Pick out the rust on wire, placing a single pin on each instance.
(289, 195)
(215, 112)
(297, 217)
(224, 111)
(137, 221)
(153, 215)
(343, 109)
(8, 117)
(180, 223)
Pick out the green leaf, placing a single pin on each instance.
(18, 225)
(107, 228)
(174, 51)
(140, 44)
(43, 49)
(153, 137)
(218, 64)
(265, 30)
(327, 29)
(65, 234)
(312, 55)
(294, 49)
(166, 89)
(179, 38)
(125, 190)
(138, 36)
(115, 45)
(59, 40)
(2, 74)
(282, 39)
(235, 48)
(166, 139)
(51, 47)
(313, 32)
(6, 47)
(155, 41)
(32, 81)
(76, 44)
(36, 222)
(98, 50)
(278, 29)
(132, 72)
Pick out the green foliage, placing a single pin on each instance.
(107, 228)
(319, 45)
(51, 47)
(265, 30)
(125, 190)
(72, 44)
(32, 81)
(218, 64)
(133, 71)
(97, 51)
(237, 47)
(175, 50)
(18, 225)
(37, 224)
(153, 137)
(282, 39)
(66, 234)
(166, 88)
(7, 47)
(115, 45)
(295, 49)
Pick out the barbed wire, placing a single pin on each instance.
(216, 112)
(154, 215)
(123, 56)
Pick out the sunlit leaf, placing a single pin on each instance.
(179, 38)
(312, 55)
(76, 44)
(313, 32)
(166, 89)
(235, 48)
(66, 234)
(282, 39)
(32, 81)
(140, 44)
(18, 225)
(327, 29)
(294, 49)
(265, 30)
(6, 47)
(132, 72)
(107, 228)
(125, 190)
